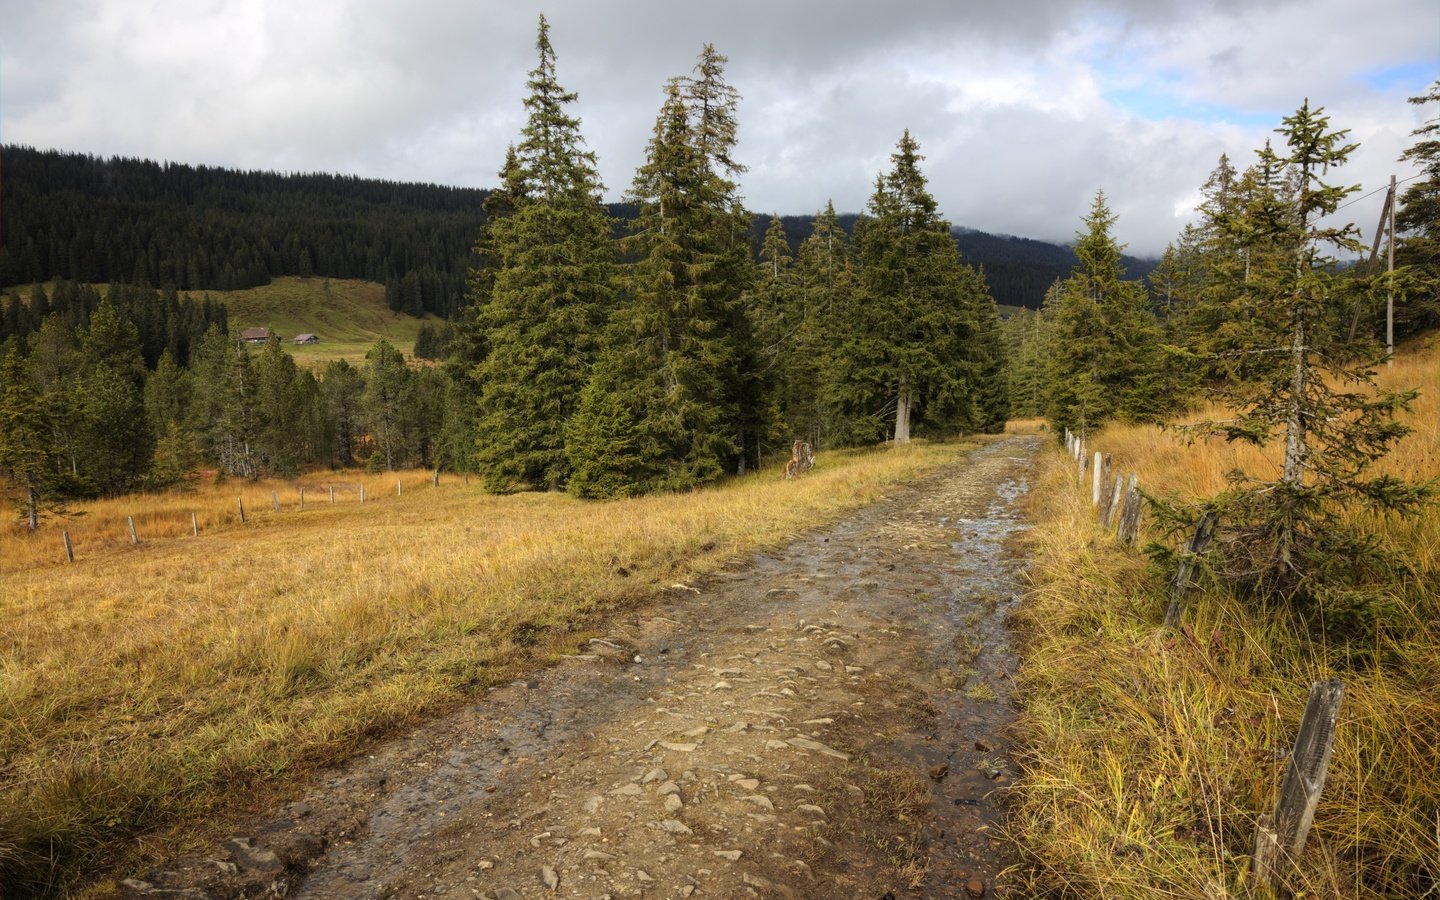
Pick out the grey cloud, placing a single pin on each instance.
(430, 90)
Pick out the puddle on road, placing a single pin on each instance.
(975, 711)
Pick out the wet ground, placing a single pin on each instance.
(828, 720)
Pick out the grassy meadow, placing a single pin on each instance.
(146, 690)
(1151, 753)
(348, 316)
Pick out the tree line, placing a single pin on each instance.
(87, 219)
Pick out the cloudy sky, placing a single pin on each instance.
(1022, 107)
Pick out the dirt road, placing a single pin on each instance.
(824, 721)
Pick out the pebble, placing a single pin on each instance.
(674, 826)
(975, 888)
(748, 784)
(668, 787)
(940, 771)
(808, 744)
(759, 800)
(654, 775)
(731, 855)
(812, 809)
(626, 790)
(597, 854)
(678, 748)
(552, 880)
(642, 875)
(673, 803)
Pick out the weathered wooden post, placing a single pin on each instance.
(1117, 495)
(240, 502)
(275, 500)
(362, 494)
(1080, 460)
(1204, 531)
(134, 538)
(435, 478)
(69, 548)
(302, 498)
(1095, 490)
(1130, 513)
(194, 526)
(1279, 839)
(332, 495)
(397, 487)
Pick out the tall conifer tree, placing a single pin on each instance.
(1105, 345)
(677, 356)
(913, 342)
(550, 291)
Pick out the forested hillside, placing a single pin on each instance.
(196, 228)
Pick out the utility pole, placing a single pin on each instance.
(1390, 280)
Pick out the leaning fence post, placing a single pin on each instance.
(194, 526)
(1095, 489)
(1130, 513)
(240, 502)
(1204, 531)
(1280, 838)
(134, 538)
(69, 548)
(1112, 508)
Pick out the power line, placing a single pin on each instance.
(1376, 191)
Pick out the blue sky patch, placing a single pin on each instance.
(1159, 105)
(1414, 77)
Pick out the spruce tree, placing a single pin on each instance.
(1418, 218)
(677, 355)
(548, 294)
(913, 342)
(1104, 340)
(1309, 387)
(828, 285)
(383, 404)
(29, 457)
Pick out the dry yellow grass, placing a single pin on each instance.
(143, 688)
(1150, 754)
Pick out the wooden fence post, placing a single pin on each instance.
(194, 526)
(1279, 839)
(302, 498)
(397, 487)
(1096, 488)
(435, 479)
(1129, 513)
(275, 500)
(1080, 460)
(332, 495)
(240, 502)
(1112, 509)
(134, 538)
(69, 548)
(1204, 531)
(362, 494)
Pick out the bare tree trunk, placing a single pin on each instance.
(1294, 470)
(902, 414)
(32, 508)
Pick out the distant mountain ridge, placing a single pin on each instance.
(92, 219)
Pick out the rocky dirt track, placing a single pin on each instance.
(824, 721)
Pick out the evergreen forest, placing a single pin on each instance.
(656, 344)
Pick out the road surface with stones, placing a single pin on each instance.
(826, 720)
